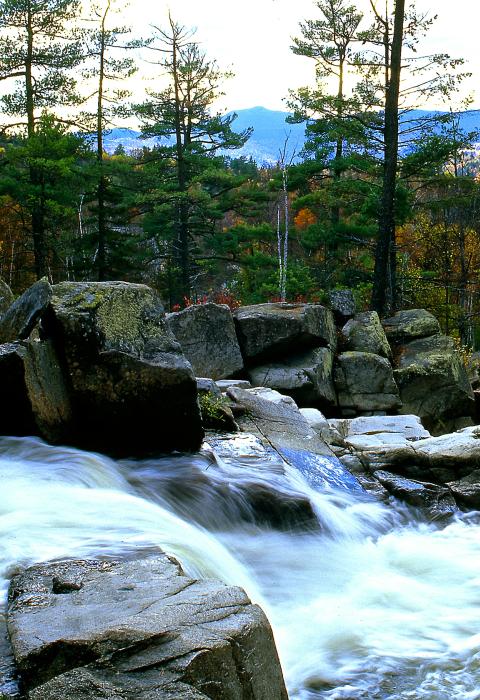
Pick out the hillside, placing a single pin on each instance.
(270, 130)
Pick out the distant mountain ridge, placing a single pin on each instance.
(270, 131)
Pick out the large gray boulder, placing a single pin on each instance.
(22, 316)
(138, 630)
(131, 388)
(365, 383)
(433, 382)
(35, 397)
(409, 325)
(271, 331)
(207, 335)
(6, 297)
(364, 333)
(307, 377)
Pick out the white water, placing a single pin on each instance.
(364, 607)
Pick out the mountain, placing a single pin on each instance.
(270, 129)
(269, 133)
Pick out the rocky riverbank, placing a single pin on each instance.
(340, 398)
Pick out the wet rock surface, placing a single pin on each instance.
(138, 630)
(436, 501)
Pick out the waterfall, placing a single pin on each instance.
(365, 602)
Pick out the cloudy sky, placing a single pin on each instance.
(253, 38)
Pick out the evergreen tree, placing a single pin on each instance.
(190, 182)
(38, 52)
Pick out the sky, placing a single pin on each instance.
(253, 38)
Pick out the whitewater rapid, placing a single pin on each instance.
(370, 604)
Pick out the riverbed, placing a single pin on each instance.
(370, 602)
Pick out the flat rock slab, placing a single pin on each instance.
(138, 630)
(276, 419)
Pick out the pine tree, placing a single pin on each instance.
(189, 136)
(38, 52)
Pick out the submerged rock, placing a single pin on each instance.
(139, 630)
(207, 335)
(131, 389)
(270, 331)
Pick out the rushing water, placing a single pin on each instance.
(368, 604)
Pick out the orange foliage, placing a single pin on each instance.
(304, 219)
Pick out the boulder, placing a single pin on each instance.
(364, 333)
(6, 297)
(365, 383)
(22, 316)
(433, 382)
(307, 377)
(342, 303)
(35, 397)
(207, 335)
(436, 501)
(409, 325)
(276, 419)
(277, 422)
(275, 330)
(376, 431)
(440, 459)
(466, 491)
(131, 389)
(138, 630)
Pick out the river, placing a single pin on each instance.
(370, 603)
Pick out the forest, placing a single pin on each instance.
(380, 200)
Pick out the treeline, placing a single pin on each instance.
(378, 201)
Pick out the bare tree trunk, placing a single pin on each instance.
(384, 284)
